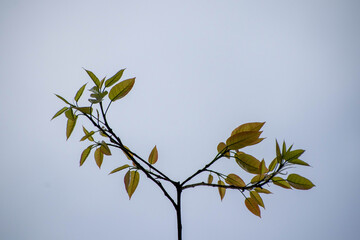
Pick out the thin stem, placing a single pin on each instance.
(178, 210)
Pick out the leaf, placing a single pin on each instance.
(104, 148)
(101, 83)
(243, 139)
(222, 190)
(85, 110)
(63, 99)
(247, 162)
(88, 135)
(85, 154)
(153, 157)
(235, 180)
(298, 162)
(210, 179)
(283, 148)
(127, 180)
(253, 126)
(128, 152)
(79, 93)
(253, 206)
(281, 182)
(70, 127)
(263, 169)
(93, 77)
(221, 147)
(119, 168)
(70, 114)
(293, 154)
(258, 199)
(257, 178)
(278, 153)
(262, 190)
(111, 81)
(61, 111)
(134, 181)
(121, 89)
(273, 164)
(299, 182)
(99, 156)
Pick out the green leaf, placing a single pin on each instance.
(153, 157)
(61, 111)
(257, 178)
(243, 139)
(88, 135)
(254, 195)
(119, 168)
(293, 154)
(247, 162)
(134, 181)
(111, 81)
(85, 110)
(63, 99)
(262, 190)
(252, 206)
(273, 164)
(121, 89)
(235, 180)
(278, 153)
(70, 114)
(85, 154)
(104, 148)
(79, 93)
(299, 182)
(281, 182)
(262, 168)
(298, 162)
(222, 190)
(93, 77)
(222, 147)
(283, 148)
(70, 125)
(101, 83)
(210, 179)
(246, 127)
(99, 156)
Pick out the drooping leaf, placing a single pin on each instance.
(273, 164)
(293, 154)
(119, 168)
(70, 114)
(70, 125)
(127, 180)
(111, 81)
(258, 199)
(61, 111)
(262, 190)
(153, 157)
(235, 180)
(253, 126)
(134, 181)
(99, 156)
(247, 162)
(281, 182)
(210, 179)
(221, 147)
(222, 190)
(63, 99)
(93, 77)
(299, 182)
(79, 93)
(252, 206)
(85, 110)
(104, 148)
(85, 154)
(128, 153)
(298, 162)
(121, 89)
(278, 153)
(243, 139)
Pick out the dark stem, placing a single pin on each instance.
(178, 210)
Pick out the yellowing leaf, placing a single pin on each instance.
(128, 152)
(84, 155)
(281, 182)
(293, 154)
(262, 190)
(235, 180)
(243, 139)
(247, 162)
(85, 110)
(257, 178)
(273, 164)
(222, 190)
(153, 157)
(298, 162)
(104, 148)
(121, 89)
(70, 125)
(99, 156)
(61, 111)
(93, 77)
(299, 182)
(221, 147)
(79, 93)
(111, 81)
(253, 126)
(88, 135)
(127, 180)
(258, 199)
(119, 168)
(278, 153)
(70, 114)
(253, 206)
(134, 181)
(263, 169)
(210, 179)
(65, 101)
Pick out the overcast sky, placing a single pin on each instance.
(202, 68)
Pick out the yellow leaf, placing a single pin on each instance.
(210, 179)
(263, 169)
(281, 182)
(258, 199)
(119, 169)
(235, 180)
(243, 139)
(273, 164)
(127, 181)
(134, 181)
(253, 126)
(70, 125)
(84, 155)
(248, 162)
(153, 157)
(221, 147)
(257, 178)
(262, 190)
(121, 89)
(278, 153)
(105, 148)
(299, 182)
(222, 190)
(128, 152)
(99, 156)
(253, 206)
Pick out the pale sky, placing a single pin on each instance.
(202, 68)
